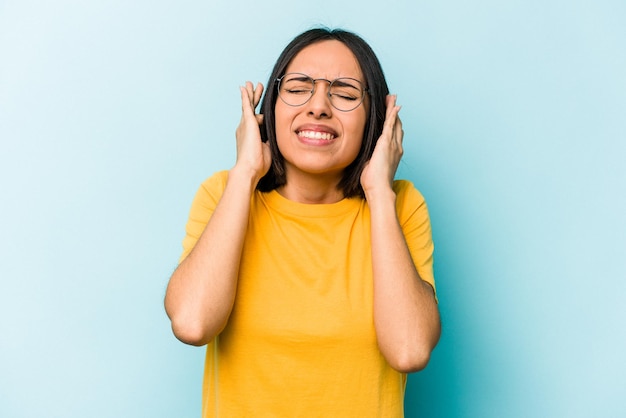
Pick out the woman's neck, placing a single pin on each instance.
(312, 188)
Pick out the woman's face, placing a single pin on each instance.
(316, 138)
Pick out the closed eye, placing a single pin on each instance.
(298, 91)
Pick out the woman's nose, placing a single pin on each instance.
(319, 104)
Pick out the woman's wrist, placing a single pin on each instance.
(380, 191)
(243, 177)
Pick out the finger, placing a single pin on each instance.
(390, 103)
(250, 89)
(398, 129)
(393, 111)
(246, 105)
(391, 116)
(258, 91)
(398, 133)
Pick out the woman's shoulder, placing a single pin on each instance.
(214, 185)
(406, 190)
(211, 189)
(216, 180)
(410, 204)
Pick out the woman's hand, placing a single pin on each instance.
(253, 155)
(380, 170)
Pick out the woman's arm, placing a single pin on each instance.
(201, 291)
(406, 316)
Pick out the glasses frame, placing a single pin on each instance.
(364, 90)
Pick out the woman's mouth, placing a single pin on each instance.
(316, 135)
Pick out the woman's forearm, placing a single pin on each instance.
(201, 291)
(406, 316)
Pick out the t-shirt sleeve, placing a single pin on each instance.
(202, 208)
(415, 222)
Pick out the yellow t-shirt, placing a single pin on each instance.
(300, 341)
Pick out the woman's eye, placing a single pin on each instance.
(344, 96)
(298, 91)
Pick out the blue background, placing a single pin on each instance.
(113, 112)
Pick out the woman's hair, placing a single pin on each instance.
(377, 91)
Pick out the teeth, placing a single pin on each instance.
(316, 135)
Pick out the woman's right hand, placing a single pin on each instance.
(253, 155)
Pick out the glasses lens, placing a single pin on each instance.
(346, 93)
(296, 89)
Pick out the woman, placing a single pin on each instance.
(306, 268)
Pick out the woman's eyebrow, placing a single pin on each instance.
(299, 77)
(346, 82)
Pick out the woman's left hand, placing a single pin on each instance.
(381, 168)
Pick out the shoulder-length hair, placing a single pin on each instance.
(377, 91)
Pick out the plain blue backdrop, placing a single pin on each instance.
(113, 112)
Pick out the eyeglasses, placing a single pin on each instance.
(345, 93)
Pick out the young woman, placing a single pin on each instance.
(306, 268)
